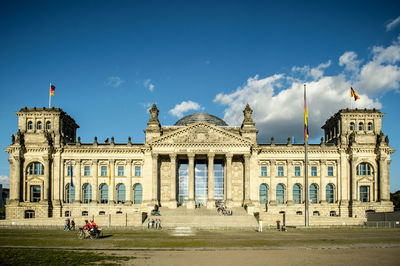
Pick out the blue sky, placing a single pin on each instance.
(111, 60)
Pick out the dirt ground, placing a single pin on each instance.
(340, 256)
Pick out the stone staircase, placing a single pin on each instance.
(204, 218)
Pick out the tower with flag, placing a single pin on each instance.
(51, 93)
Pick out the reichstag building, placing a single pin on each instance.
(197, 161)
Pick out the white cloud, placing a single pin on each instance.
(277, 100)
(5, 181)
(393, 24)
(184, 107)
(114, 81)
(147, 84)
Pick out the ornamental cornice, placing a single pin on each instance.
(298, 152)
(201, 145)
(101, 150)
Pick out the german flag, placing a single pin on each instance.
(305, 116)
(52, 90)
(354, 94)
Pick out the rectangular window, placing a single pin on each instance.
(137, 171)
(280, 171)
(70, 170)
(35, 193)
(103, 170)
(120, 171)
(364, 193)
(263, 171)
(330, 170)
(313, 171)
(86, 171)
(297, 170)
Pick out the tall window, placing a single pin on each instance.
(69, 193)
(369, 127)
(351, 125)
(35, 193)
(86, 170)
(137, 194)
(297, 171)
(36, 168)
(280, 194)
(313, 171)
(263, 171)
(103, 171)
(280, 170)
(364, 193)
(121, 193)
(360, 126)
(39, 125)
(314, 193)
(137, 170)
(103, 193)
(329, 193)
(218, 180)
(87, 193)
(30, 125)
(48, 125)
(120, 171)
(330, 170)
(364, 169)
(297, 194)
(70, 170)
(263, 194)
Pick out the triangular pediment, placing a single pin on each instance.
(201, 133)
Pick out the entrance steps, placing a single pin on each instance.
(203, 218)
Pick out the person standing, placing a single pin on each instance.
(72, 224)
(260, 226)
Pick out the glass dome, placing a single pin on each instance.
(196, 117)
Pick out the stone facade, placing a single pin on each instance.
(198, 160)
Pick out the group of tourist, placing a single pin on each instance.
(154, 224)
(69, 224)
(222, 209)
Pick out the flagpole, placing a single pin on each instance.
(50, 96)
(70, 188)
(109, 184)
(306, 163)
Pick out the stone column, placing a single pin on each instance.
(95, 188)
(383, 179)
(290, 172)
(190, 203)
(323, 175)
(46, 187)
(228, 177)
(129, 189)
(354, 193)
(111, 188)
(15, 180)
(247, 179)
(272, 187)
(154, 189)
(78, 185)
(210, 201)
(173, 202)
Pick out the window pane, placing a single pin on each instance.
(87, 193)
(364, 193)
(263, 194)
(296, 194)
(121, 193)
(137, 194)
(104, 193)
(35, 193)
(218, 180)
(280, 171)
(313, 193)
(137, 171)
(330, 170)
(329, 193)
(120, 171)
(263, 171)
(314, 171)
(104, 170)
(297, 170)
(280, 194)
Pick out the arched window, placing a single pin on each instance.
(69, 193)
(351, 125)
(137, 194)
(263, 194)
(30, 125)
(280, 194)
(297, 193)
(364, 169)
(103, 193)
(314, 193)
(361, 126)
(87, 193)
(48, 125)
(35, 168)
(329, 193)
(39, 125)
(120, 193)
(369, 127)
